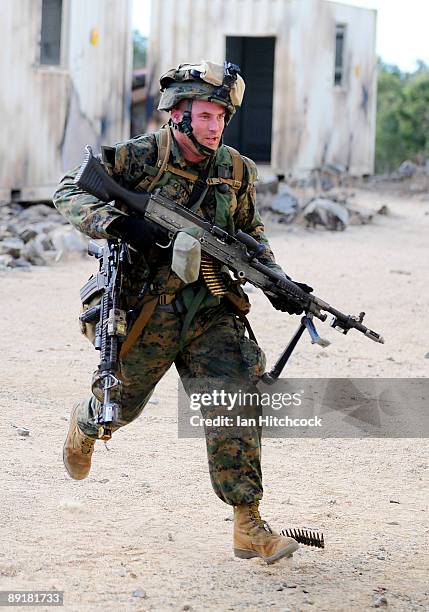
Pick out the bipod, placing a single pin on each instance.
(306, 323)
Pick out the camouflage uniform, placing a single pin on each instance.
(215, 345)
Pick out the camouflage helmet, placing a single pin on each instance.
(205, 81)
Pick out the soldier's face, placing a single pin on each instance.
(208, 122)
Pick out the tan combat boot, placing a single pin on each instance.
(254, 538)
(77, 450)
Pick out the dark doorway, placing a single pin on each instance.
(250, 130)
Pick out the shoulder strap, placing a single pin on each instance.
(148, 183)
(164, 147)
(237, 166)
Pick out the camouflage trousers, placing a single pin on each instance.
(215, 348)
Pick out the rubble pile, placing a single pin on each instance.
(410, 177)
(334, 211)
(326, 212)
(35, 235)
(324, 199)
(417, 170)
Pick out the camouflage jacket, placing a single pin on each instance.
(129, 162)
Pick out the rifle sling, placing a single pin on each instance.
(200, 188)
(248, 327)
(149, 305)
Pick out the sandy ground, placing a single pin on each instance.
(146, 518)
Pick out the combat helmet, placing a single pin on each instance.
(208, 81)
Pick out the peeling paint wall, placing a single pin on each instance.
(314, 122)
(327, 123)
(49, 113)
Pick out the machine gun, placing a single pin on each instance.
(110, 329)
(239, 252)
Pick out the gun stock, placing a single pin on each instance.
(93, 178)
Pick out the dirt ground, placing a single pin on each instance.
(145, 531)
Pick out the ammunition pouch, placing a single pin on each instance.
(91, 294)
(186, 257)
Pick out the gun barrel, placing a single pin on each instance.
(374, 336)
(369, 333)
(344, 323)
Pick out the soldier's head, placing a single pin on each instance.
(202, 99)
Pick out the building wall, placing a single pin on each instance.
(314, 123)
(49, 113)
(327, 123)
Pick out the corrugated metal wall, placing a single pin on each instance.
(48, 113)
(313, 122)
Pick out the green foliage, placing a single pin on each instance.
(402, 115)
(139, 50)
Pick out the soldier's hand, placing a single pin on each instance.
(287, 305)
(139, 233)
(304, 287)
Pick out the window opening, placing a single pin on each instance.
(50, 40)
(340, 35)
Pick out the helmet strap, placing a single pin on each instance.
(185, 126)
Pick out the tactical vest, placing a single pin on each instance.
(226, 199)
(229, 167)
